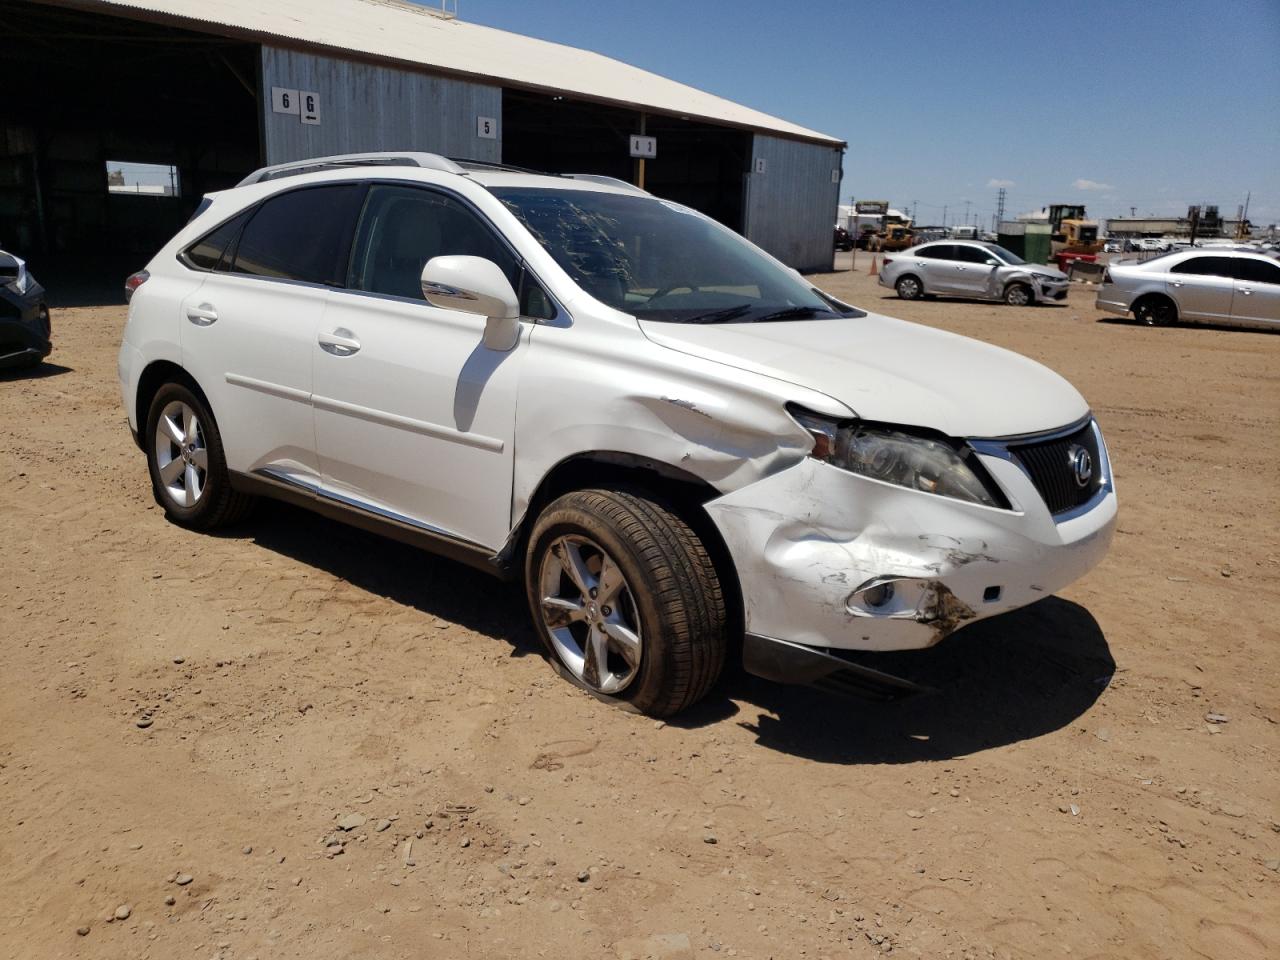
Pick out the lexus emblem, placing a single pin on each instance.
(1081, 464)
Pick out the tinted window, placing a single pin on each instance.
(1257, 271)
(1008, 256)
(404, 227)
(301, 235)
(211, 252)
(939, 251)
(1206, 267)
(973, 254)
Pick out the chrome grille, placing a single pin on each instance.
(1050, 465)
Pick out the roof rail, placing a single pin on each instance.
(607, 181)
(427, 161)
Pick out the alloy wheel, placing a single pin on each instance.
(1017, 296)
(182, 458)
(590, 613)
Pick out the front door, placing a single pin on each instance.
(975, 277)
(414, 416)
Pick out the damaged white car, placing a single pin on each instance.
(675, 441)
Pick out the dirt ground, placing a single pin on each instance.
(1061, 795)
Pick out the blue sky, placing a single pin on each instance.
(1113, 104)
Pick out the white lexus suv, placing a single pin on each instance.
(680, 445)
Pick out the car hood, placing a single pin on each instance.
(1038, 271)
(892, 371)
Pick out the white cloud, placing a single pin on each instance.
(1083, 184)
(995, 182)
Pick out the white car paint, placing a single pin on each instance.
(432, 427)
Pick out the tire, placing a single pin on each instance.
(1155, 311)
(1018, 295)
(198, 493)
(909, 287)
(663, 591)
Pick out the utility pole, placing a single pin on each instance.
(913, 211)
(1000, 206)
(1133, 212)
(1244, 216)
(966, 211)
(944, 216)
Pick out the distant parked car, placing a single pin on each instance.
(970, 268)
(843, 239)
(1113, 246)
(1199, 286)
(24, 316)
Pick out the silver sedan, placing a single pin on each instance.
(969, 268)
(1199, 286)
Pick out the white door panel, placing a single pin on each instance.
(249, 343)
(414, 415)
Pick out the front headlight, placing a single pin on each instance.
(1046, 278)
(22, 282)
(904, 459)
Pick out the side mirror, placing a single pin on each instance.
(992, 262)
(475, 285)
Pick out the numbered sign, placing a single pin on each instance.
(284, 100)
(310, 105)
(646, 147)
(486, 128)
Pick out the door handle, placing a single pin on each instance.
(340, 343)
(1247, 291)
(1177, 283)
(203, 315)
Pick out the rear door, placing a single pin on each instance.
(249, 332)
(937, 268)
(1203, 287)
(1257, 291)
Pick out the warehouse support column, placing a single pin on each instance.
(640, 161)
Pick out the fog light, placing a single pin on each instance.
(878, 595)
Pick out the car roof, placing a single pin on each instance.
(418, 166)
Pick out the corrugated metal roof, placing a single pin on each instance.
(405, 33)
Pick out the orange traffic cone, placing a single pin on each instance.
(874, 271)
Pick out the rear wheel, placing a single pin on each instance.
(1017, 295)
(909, 288)
(626, 599)
(188, 469)
(1155, 311)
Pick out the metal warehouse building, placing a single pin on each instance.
(216, 88)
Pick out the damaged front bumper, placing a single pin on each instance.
(832, 560)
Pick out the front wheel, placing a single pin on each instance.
(1017, 295)
(626, 599)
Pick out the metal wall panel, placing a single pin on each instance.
(791, 204)
(366, 107)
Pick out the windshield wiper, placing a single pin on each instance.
(720, 316)
(794, 313)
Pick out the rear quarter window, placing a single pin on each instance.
(213, 250)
